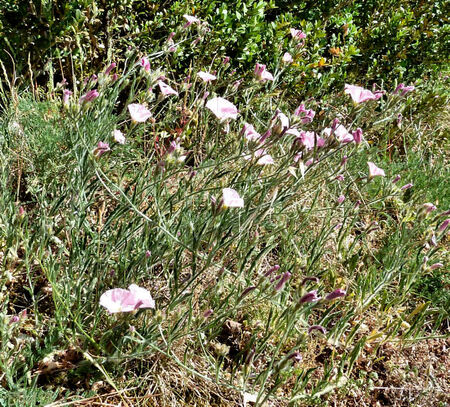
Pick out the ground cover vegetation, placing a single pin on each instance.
(224, 203)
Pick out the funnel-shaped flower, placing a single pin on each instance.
(121, 300)
(166, 90)
(262, 74)
(338, 293)
(309, 297)
(250, 133)
(118, 137)
(307, 115)
(360, 95)
(222, 108)
(142, 297)
(297, 34)
(101, 149)
(139, 113)
(145, 63)
(66, 96)
(206, 77)
(190, 20)
(374, 170)
(287, 58)
(89, 96)
(231, 199)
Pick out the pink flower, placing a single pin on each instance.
(297, 34)
(403, 89)
(444, 225)
(396, 179)
(110, 68)
(206, 77)
(310, 297)
(336, 294)
(343, 135)
(357, 135)
(374, 170)
(190, 20)
(339, 177)
(360, 95)
(283, 279)
(145, 63)
(89, 96)
(436, 266)
(66, 96)
(307, 115)
(250, 133)
(264, 158)
(139, 113)
(208, 313)
(166, 90)
(309, 139)
(287, 58)
(262, 74)
(121, 300)
(118, 137)
(279, 123)
(319, 328)
(429, 207)
(231, 199)
(101, 149)
(271, 270)
(118, 300)
(341, 199)
(407, 186)
(142, 297)
(222, 108)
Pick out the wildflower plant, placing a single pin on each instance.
(243, 226)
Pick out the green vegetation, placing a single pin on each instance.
(301, 285)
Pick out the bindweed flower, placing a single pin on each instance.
(339, 177)
(429, 207)
(282, 281)
(287, 58)
(279, 123)
(226, 60)
(89, 96)
(340, 199)
(264, 137)
(403, 89)
(208, 313)
(357, 135)
(343, 135)
(309, 140)
(263, 157)
(444, 225)
(121, 300)
(248, 290)
(145, 63)
(250, 133)
(310, 278)
(436, 266)
(310, 297)
(375, 171)
(101, 149)
(14, 319)
(148, 253)
(190, 20)
(407, 186)
(271, 270)
(319, 328)
(118, 137)
(306, 115)
(206, 77)
(222, 108)
(297, 34)
(262, 74)
(344, 160)
(231, 199)
(361, 95)
(396, 179)
(336, 294)
(166, 90)
(170, 37)
(295, 356)
(139, 113)
(110, 68)
(66, 96)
